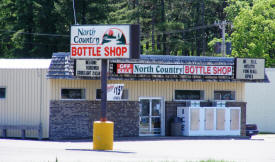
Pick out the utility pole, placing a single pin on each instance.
(203, 30)
(222, 26)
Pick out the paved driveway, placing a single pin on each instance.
(260, 148)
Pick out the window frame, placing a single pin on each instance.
(224, 91)
(5, 95)
(124, 89)
(85, 95)
(202, 98)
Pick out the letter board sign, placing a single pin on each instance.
(89, 68)
(250, 68)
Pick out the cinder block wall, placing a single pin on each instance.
(74, 119)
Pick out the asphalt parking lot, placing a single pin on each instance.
(260, 148)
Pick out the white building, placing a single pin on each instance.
(24, 97)
(260, 99)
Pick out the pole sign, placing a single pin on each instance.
(114, 92)
(90, 68)
(250, 68)
(173, 69)
(102, 41)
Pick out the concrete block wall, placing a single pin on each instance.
(74, 119)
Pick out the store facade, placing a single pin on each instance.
(156, 89)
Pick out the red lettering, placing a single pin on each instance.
(192, 69)
(124, 50)
(112, 51)
(106, 49)
(118, 51)
(79, 51)
(73, 51)
(84, 49)
(209, 70)
(98, 50)
(186, 69)
(229, 70)
(215, 70)
(89, 49)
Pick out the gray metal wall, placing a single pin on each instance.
(27, 100)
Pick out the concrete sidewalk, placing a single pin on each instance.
(259, 148)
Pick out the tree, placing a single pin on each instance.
(254, 31)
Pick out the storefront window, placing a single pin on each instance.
(224, 95)
(189, 95)
(73, 94)
(2, 93)
(123, 97)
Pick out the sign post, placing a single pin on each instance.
(103, 117)
(104, 42)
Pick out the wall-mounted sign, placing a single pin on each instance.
(249, 68)
(124, 68)
(89, 68)
(207, 70)
(102, 41)
(114, 92)
(149, 69)
(173, 69)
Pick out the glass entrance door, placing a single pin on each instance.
(151, 117)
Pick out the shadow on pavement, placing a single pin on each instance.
(111, 151)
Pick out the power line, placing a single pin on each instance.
(156, 34)
(37, 34)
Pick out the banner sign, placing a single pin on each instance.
(173, 69)
(207, 70)
(88, 68)
(100, 41)
(124, 68)
(114, 92)
(249, 68)
(149, 69)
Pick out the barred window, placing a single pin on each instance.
(224, 95)
(189, 95)
(72, 93)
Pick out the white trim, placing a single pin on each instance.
(162, 115)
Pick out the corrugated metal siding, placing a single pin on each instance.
(148, 88)
(261, 103)
(27, 93)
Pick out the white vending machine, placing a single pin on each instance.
(210, 121)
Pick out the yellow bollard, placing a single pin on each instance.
(103, 135)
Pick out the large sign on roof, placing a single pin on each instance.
(173, 69)
(103, 41)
